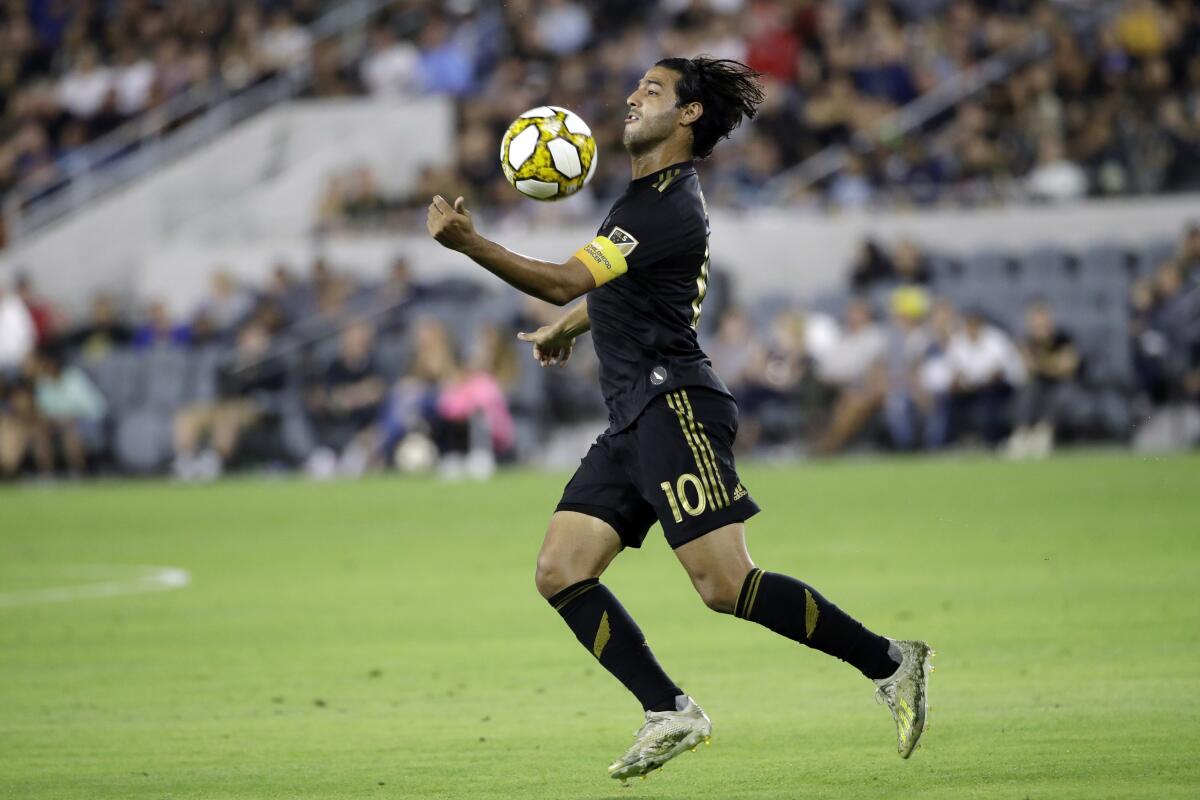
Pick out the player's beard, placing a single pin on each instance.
(648, 132)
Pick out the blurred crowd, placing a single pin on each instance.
(337, 376)
(70, 72)
(325, 373)
(1110, 106)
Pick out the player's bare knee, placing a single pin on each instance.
(718, 595)
(550, 577)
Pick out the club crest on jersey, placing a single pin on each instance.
(624, 242)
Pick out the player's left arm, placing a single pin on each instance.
(555, 283)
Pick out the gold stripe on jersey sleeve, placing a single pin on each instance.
(603, 260)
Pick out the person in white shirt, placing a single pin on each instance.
(285, 44)
(84, 90)
(985, 367)
(391, 67)
(17, 332)
(132, 81)
(853, 366)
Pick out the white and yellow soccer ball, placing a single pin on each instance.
(548, 153)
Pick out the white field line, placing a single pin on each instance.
(147, 579)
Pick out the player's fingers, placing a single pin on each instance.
(460, 205)
(525, 337)
(440, 204)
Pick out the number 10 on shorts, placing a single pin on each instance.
(681, 491)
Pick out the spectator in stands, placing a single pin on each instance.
(986, 368)
(285, 294)
(872, 265)
(363, 205)
(23, 431)
(228, 304)
(159, 330)
(911, 265)
(343, 405)
(1056, 178)
(400, 293)
(472, 405)
(391, 66)
(412, 402)
(736, 355)
(912, 413)
(70, 407)
(43, 313)
(102, 333)
(1164, 329)
(284, 46)
(1052, 396)
(84, 89)
(18, 334)
(1189, 249)
(447, 66)
(249, 384)
(852, 369)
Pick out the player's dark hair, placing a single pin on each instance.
(729, 90)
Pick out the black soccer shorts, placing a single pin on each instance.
(674, 464)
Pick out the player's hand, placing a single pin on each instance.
(450, 225)
(550, 348)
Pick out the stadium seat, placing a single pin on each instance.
(120, 377)
(168, 372)
(142, 442)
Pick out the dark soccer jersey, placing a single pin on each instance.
(644, 321)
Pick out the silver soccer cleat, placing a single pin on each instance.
(906, 694)
(664, 735)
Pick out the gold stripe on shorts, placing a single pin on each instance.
(706, 448)
(676, 405)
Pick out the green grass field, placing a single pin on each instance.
(383, 639)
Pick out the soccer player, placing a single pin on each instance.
(667, 454)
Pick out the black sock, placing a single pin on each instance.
(605, 628)
(799, 612)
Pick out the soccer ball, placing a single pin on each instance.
(548, 153)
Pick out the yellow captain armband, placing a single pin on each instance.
(603, 260)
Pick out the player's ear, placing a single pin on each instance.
(690, 112)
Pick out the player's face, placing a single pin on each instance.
(652, 115)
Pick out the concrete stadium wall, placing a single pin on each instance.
(769, 251)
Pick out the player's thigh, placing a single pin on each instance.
(717, 564)
(576, 547)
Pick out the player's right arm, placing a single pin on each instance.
(552, 344)
(555, 283)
